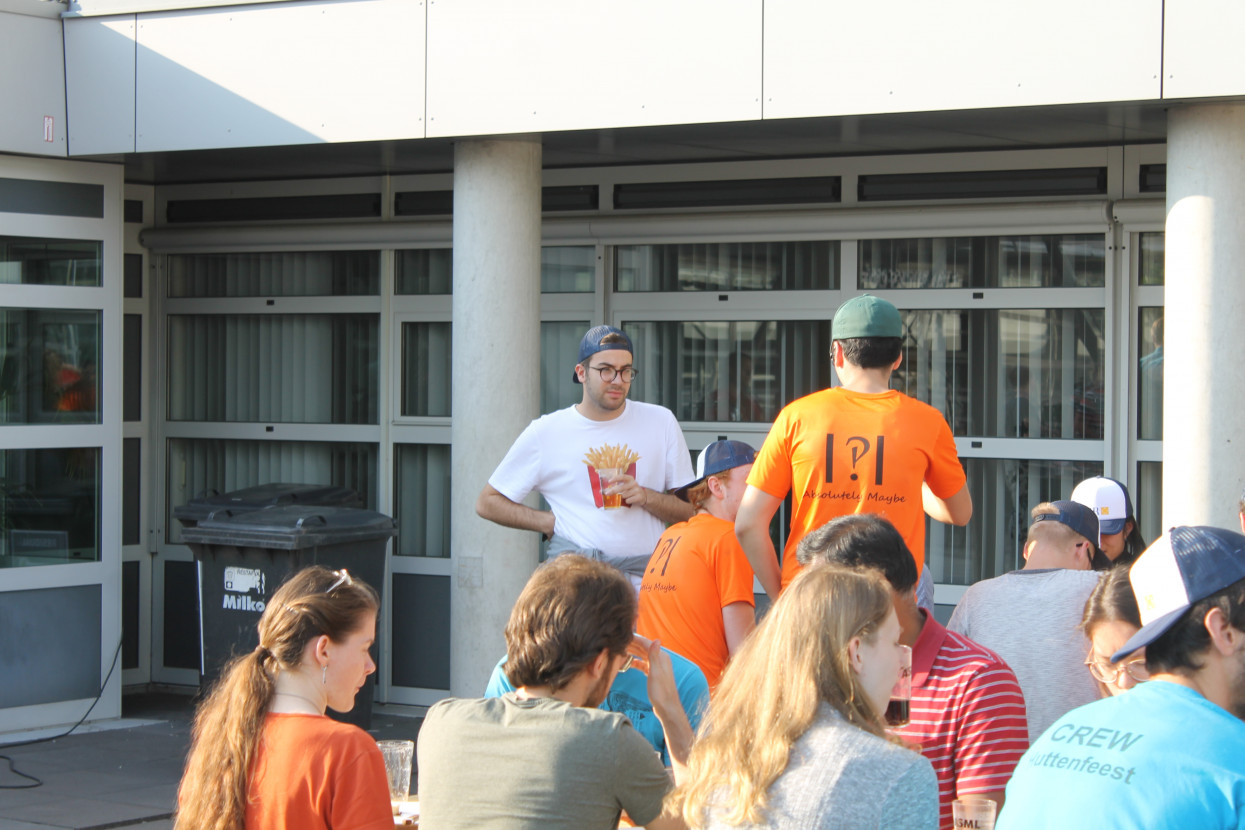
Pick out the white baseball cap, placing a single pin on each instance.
(1109, 500)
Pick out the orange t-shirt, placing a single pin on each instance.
(842, 452)
(312, 772)
(697, 569)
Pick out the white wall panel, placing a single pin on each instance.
(288, 73)
(1202, 48)
(836, 58)
(99, 84)
(32, 85)
(496, 66)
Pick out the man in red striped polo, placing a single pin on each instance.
(967, 712)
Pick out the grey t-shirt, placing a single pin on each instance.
(543, 763)
(1030, 619)
(839, 776)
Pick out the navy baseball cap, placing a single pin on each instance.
(591, 344)
(1075, 515)
(718, 457)
(1184, 565)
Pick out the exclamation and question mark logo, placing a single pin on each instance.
(860, 447)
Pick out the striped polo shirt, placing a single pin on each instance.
(968, 714)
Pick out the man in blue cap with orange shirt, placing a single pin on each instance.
(696, 596)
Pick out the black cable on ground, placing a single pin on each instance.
(36, 782)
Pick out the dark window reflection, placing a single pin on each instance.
(49, 366)
(49, 506)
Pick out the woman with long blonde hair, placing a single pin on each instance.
(264, 755)
(795, 736)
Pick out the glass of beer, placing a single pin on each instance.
(973, 812)
(608, 476)
(897, 711)
(398, 756)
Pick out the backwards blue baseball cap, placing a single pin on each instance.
(591, 344)
(1184, 565)
(718, 457)
(1076, 516)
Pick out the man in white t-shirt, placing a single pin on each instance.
(604, 465)
(1031, 617)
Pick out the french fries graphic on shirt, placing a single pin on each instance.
(606, 463)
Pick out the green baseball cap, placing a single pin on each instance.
(866, 316)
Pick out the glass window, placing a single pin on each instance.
(1150, 258)
(423, 271)
(131, 487)
(201, 465)
(36, 261)
(559, 347)
(132, 369)
(568, 270)
(426, 361)
(563, 270)
(1071, 260)
(281, 368)
(1004, 491)
(1148, 503)
(133, 277)
(49, 506)
(729, 371)
(421, 497)
(1011, 373)
(49, 366)
(290, 274)
(728, 266)
(1150, 373)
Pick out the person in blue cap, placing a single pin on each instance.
(1031, 617)
(696, 596)
(1168, 753)
(604, 465)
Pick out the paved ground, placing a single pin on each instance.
(121, 773)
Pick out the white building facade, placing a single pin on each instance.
(356, 243)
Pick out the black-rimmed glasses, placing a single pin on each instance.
(609, 373)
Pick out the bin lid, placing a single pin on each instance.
(266, 495)
(291, 527)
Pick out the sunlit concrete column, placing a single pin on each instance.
(496, 386)
(1204, 386)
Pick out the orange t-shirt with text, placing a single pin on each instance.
(697, 569)
(840, 452)
(313, 773)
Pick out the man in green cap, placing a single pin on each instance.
(861, 447)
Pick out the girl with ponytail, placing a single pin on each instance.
(264, 756)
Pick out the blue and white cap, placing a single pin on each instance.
(1184, 565)
(718, 457)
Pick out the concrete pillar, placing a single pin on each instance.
(496, 386)
(1204, 387)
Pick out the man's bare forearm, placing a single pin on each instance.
(670, 509)
(495, 507)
